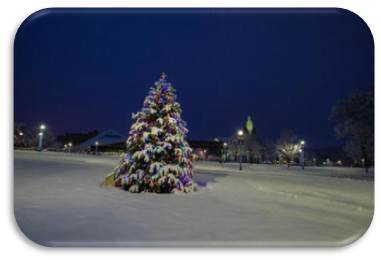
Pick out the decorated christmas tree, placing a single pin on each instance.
(158, 158)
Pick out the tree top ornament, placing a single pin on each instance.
(163, 76)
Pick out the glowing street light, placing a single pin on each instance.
(21, 134)
(69, 145)
(40, 139)
(225, 146)
(363, 162)
(96, 147)
(41, 136)
(240, 139)
(301, 153)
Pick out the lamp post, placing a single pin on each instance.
(240, 139)
(363, 162)
(41, 136)
(96, 147)
(40, 139)
(205, 155)
(301, 153)
(70, 145)
(20, 138)
(225, 146)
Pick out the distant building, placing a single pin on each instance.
(107, 140)
(206, 150)
(76, 138)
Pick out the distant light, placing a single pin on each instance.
(205, 151)
(40, 133)
(300, 150)
(70, 144)
(240, 133)
(42, 127)
(96, 143)
(302, 142)
(65, 145)
(225, 144)
(21, 133)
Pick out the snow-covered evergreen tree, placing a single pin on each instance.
(158, 158)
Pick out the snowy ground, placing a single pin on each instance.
(58, 202)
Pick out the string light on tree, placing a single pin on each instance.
(158, 158)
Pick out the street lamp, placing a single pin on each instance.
(21, 134)
(240, 139)
(301, 153)
(205, 157)
(70, 145)
(96, 147)
(41, 136)
(40, 139)
(225, 145)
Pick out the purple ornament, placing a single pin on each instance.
(184, 179)
(126, 178)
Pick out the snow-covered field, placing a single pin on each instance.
(58, 202)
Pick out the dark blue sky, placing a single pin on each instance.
(79, 70)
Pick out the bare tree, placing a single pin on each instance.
(25, 136)
(233, 145)
(19, 135)
(286, 146)
(269, 150)
(252, 147)
(355, 123)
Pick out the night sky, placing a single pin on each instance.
(80, 70)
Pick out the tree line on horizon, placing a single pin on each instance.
(354, 124)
